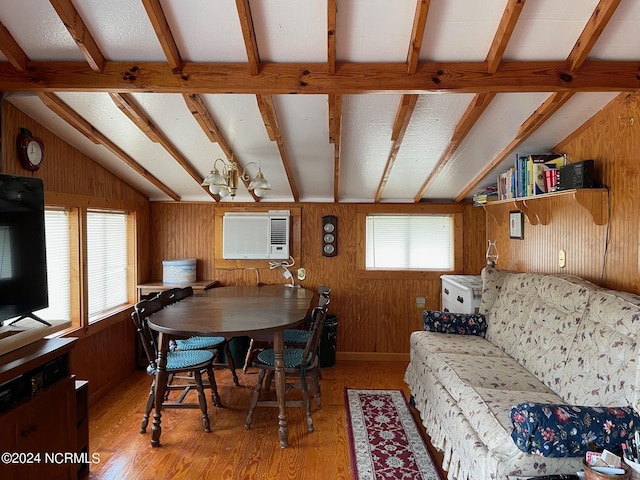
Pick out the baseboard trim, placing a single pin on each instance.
(373, 356)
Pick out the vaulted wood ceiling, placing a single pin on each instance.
(336, 100)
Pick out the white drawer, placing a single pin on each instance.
(461, 293)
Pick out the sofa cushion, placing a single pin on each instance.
(554, 430)
(602, 364)
(535, 319)
(424, 345)
(455, 323)
(463, 374)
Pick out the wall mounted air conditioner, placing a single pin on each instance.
(256, 235)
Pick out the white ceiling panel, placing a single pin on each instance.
(206, 31)
(622, 40)
(374, 30)
(427, 137)
(306, 134)
(460, 31)
(122, 30)
(38, 30)
(502, 118)
(290, 31)
(548, 29)
(366, 143)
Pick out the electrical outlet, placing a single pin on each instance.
(302, 274)
(420, 302)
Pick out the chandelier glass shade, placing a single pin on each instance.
(224, 182)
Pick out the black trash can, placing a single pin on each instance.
(327, 347)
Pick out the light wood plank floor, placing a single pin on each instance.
(230, 451)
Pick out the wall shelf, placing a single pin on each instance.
(593, 200)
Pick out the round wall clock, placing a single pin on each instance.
(30, 150)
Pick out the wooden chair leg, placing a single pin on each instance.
(306, 401)
(149, 406)
(315, 383)
(231, 364)
(202, 400)
(215, 398)
(249, 357)
(254, 399)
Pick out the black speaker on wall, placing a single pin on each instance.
(329, 236)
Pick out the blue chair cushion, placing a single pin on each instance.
(292, 357)
(554, 430)
(296, 335)
(182, 360)
(456, 323)
(198, 343)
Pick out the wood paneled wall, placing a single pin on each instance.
(612, 139)
(105, 352)
(374, 316)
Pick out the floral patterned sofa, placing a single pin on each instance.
(540, 343)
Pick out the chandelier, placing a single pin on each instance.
(224, 182)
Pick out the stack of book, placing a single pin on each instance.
(527, 176)
(490, 194)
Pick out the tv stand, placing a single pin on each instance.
(29, 315)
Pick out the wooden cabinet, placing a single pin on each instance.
(461, 293)
(38, 412)
(82, 426)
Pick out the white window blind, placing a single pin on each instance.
(106, 261)
(58, 265)
(422, 242)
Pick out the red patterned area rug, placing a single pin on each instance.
(384, 439)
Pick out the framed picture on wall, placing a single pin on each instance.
(516, 224)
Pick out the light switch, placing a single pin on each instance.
(562, 258)
(420, 302)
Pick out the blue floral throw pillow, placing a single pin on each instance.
(568, 430)
(458, 323)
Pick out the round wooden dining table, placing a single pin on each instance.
(255, 311)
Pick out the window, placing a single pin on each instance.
(58, 265)
(106, 261)
(421, 242)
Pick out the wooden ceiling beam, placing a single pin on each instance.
(403, 116)
(132, 110)
(503, 34)
(10, 49)
(537, 118)
(591, 33)
(163, 32)
(417, 33)
(350, 78)
(65, 112)
(332, 13)
(471, 115)
(335, 126)
(80, 33)
(200, 112)
(249, 35)
(270, 118)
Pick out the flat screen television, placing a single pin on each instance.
(23, 259)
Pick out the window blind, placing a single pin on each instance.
(106, 261)
(410, 242)
(56, 224)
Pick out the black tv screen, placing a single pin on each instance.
(23, 263)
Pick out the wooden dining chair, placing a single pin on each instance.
(292, 337)
(192, 362)
(301, 370)
(298, 337)
(216, 344)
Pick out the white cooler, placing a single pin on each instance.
(461, 293)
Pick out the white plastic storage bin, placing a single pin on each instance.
(461, 293)
(179, 272)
